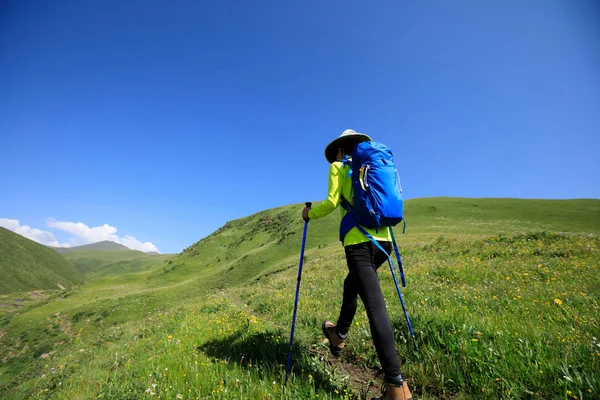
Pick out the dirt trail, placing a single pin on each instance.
(64, 324)
(364, 381)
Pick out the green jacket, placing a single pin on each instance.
(340, 184)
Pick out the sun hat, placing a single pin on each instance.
(348, 138)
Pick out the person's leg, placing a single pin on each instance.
(337, 333)
(380, 257)
(348, 306)
(363, 260)
(350, 292)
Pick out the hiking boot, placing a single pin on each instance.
(393, 391)
(336, 342)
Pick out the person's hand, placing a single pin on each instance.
(305, 214)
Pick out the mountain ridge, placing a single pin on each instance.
(103, 245)
(26, 265)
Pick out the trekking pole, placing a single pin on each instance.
(398, 256)
(404, 307)
(410, 328)
(289, 356)
(403, 285)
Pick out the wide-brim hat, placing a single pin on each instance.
(348, 139)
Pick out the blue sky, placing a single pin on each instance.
(164, 120)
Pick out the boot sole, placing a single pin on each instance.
(334, 350)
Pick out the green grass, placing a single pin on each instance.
(26, 266)
(457, 216)
(101, 263)
(493, 303)
(98, 246)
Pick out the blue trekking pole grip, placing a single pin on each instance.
(289, 357)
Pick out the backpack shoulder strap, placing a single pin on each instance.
(346, 161)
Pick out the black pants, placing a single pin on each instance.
(363, 260)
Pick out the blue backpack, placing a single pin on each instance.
(377, 193)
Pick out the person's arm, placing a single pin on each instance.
(334, 192)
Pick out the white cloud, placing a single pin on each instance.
(135, 244)
(83, 234)
(80, 234)
(37, 235)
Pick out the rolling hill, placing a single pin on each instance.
(26, 265)
(503, 295)
(268, 240)
(109, 258)
(93, 262)
(99, 246)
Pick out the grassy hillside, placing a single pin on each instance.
(504, 306)
(26, 265)
(98, 246)
(458, 216)
(97, 263)
(268, 240)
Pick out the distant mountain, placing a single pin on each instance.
(109, 258)
(102, 246)
(26, 265)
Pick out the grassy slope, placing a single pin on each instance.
(26, 265)
(269, 240)
(99, 246)
(502, 317)
(98, 263)
(458, 216)
(450, 296)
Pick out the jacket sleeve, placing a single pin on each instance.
(333, 195)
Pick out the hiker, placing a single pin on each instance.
(363, 258)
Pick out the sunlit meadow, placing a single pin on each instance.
(501, 316)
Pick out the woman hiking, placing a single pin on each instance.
(363, 259)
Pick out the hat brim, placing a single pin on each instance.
(344, 141)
